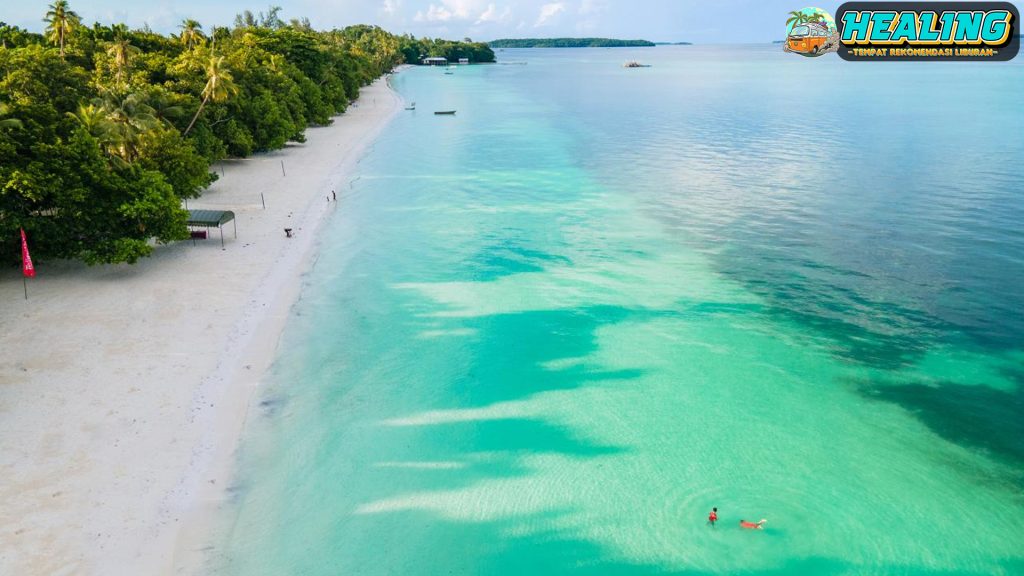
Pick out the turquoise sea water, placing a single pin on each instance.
(547, 335)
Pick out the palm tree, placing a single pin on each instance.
(121, 50)
(796, 18)
(62, 22)
(191, 33)
(8, 122)
(130, 117)
(214, 31)
(219, 86)
(274, 62)
(93, 118)
(164, 110)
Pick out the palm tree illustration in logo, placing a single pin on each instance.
(796, 18)
(811, 32)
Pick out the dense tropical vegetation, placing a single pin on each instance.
(567, 43)
(414, 50)
(104, 131)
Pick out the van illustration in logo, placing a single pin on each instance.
(811, 32)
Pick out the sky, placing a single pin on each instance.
(705, 22)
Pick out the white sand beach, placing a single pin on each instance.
(124, 389)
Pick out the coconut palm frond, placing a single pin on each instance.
(61, 22)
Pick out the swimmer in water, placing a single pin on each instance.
(713, 517)
(753, 525)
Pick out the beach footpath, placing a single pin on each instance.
(124, 389)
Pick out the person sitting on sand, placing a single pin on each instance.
(753, 525)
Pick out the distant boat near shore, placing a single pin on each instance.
(445, 113)
(635, 64)
(411, 106)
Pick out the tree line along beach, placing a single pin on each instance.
(128, 369)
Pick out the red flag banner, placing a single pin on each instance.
(26, 259)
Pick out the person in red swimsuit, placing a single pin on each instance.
(753, 525)
(713, 517)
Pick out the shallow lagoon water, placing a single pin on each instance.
(548, 334)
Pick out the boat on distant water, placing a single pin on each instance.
(411, 106)
(445, 113)
(635, 64)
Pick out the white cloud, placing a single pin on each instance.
(391, 7)
(462, 8)
(450, 10)
(434, 14)
(590, 12)
(548, 12)
(492, 14)
(588, 7)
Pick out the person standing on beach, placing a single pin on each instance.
(713, 517)
(334, 196)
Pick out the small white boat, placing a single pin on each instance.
(411, 106)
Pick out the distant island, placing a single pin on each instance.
(567, 43)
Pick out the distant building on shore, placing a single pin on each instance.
(435, 61)
(463, 60)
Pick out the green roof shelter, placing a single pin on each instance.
(212, 219)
